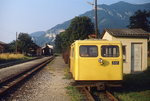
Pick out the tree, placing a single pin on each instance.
(25, 43)
(58, 42)
(140, 20)
(12, 46)
(79, 29)
(62, 42)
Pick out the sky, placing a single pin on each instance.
(40, 15)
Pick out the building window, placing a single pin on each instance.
(124, 53)
(88, 51)
(109, 51)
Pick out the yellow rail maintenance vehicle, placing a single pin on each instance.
(96, 60)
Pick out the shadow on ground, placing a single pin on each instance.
(136, 82)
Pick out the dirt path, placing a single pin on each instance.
(56, 90)
(46, 85)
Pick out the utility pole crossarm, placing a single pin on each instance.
(90, 3)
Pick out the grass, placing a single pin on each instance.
(135, 96)
(136, 87)
(74, 93)
(49, 65)
(72, 90)
(8, 56)
(67, 74)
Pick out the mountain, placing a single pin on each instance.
(41, 38)
(109, 16)
(37, 34)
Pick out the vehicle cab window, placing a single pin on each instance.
(88, 51)
(109, 51)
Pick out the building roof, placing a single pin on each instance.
(50, 46)
(133, 33)
(2, 43)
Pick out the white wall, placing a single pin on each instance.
(127, 42)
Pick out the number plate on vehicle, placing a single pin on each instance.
(115, 62)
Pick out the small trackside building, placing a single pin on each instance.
(134, 46)
(2, 47)
(47, 50)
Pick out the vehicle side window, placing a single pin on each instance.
(109, 51)
(72, 52)
(88, 51)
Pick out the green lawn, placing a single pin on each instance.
(136, 87)
(74, 93)
(135, 96)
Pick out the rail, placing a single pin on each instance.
(101, 96)
(9, 83)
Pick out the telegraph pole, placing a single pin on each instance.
(96, 22)
(16, 42)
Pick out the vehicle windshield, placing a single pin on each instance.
(109, 51)
(88, 51)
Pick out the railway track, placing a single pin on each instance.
(96, 91)
(98, 95)
(9, 82)
(4, 65)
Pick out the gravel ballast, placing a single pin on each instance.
(47, 85)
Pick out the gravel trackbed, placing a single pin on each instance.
(47, 85)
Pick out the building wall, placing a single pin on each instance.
(1, 49)
(39, 51)
(127, 42)
(107, 36)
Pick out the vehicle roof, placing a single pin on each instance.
(95, 41)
